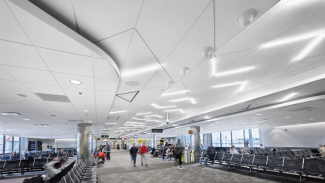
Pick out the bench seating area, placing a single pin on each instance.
(303, 167)
(31, 162)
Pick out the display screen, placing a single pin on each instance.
(157, 130)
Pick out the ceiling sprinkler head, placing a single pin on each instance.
(207, 51)
(184, 70)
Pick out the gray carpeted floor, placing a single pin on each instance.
(121, 170)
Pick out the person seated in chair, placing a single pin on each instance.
(205, 157)
(244, 150)
(13, 154)
(101, 156)
(52, 168)
(233, 150)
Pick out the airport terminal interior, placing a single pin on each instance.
(128, 91)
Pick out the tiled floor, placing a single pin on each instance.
(121, 170)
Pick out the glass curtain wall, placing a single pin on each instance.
(16, 144)
(8, 144)
(216, 139)
(226, 139)
(1, 144)
(238, 138)
(255, 137)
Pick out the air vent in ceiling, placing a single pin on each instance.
(128, 96)
(75, 121)
(302, 109)
(53, 98)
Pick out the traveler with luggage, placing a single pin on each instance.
(133, 153)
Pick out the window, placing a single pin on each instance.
(226, 139)
(238, 138)
(255, 137)
(16, 144)
(201, 139)
(216, 139)
(8, 144)
(1, 143)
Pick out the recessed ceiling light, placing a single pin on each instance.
(226, 85)
(258, 114)
(313, 43)
(162, 107)
(89, 121)
(217, 122)
(175, 93)
(288, 117)
(244, 123)
(182, 99)
(26, 119)
(86, 110)
(311, 118)
(76, 82)
(173, 110)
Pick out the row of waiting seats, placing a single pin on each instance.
(78, 173)
(15, 164)
(299, 166)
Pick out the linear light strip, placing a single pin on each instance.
(139, 114)
(139, 71)
(226, 85)
(288, 96)
(153, 116)
(193, 101)
(162, 107)
(174, 93)
(245, 69)
(242, 86)
(290, 40)
(116, 112)
(173, 110)
(314, 42)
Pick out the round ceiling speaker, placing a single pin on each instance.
(246, 18)
(184, 70)
(207, 51)
(169, 83)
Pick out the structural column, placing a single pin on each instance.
(196, 149)
(153, 141)
(84, 143)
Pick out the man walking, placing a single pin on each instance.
(108, 151)
(143, 152)
(133, 153)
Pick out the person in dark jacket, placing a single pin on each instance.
(108, 152)
(133, 153)
(164, 153)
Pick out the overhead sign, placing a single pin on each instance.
(190, 132)
(96, 138)
(157, 130)
(104, 136)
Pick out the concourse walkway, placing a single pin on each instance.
(121, 170)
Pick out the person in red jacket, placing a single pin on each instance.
(143, 152)
(101, 155)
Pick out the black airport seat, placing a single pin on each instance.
(260, 161)
(271, 154)
(70, 153)
(236, 159)
(283, 154)
(14, 158)
(248, 160)
(219, 157)
(255, 152)
(296, 154)
(314, 167)
(277, 154)
(274, 163)
(227, 158)
(292, 165)
(39, 163)
(11, 166)
(54, 155)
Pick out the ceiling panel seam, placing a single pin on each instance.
(112, 35)
(75, 16)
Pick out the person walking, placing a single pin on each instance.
(108, 152)
(143, 152)
(164, 153)
(133, 153)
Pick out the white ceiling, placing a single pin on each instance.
(137, 35)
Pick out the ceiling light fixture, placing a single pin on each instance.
(245, 69)
(139, 114)
(116, 112)
(162, 107)
(288, 117)
(206, 116)
(89, 121)
(139, 71)
(225, 85)
(213, 60)
(246, 18)
(76, 82)
(287, 97)
(290, 40)
(173, 110)
(26, 119)
(207, 51)
(153, 120)
(86, 110)
(313, 43)
(311, 118)
(169, 83)
(175, 93)
(258, 114)
(182, 99)
(153, 116)
(184, 70)
(242, 86)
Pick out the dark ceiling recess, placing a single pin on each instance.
(53, 98)
(128, 96)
